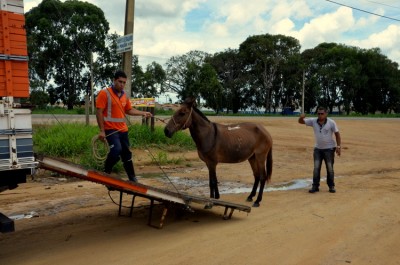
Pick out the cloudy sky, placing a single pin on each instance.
(174, 27)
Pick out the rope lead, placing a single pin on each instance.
(100, 149)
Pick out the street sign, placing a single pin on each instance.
(143, 102)
(125, 43)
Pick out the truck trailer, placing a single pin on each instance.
(17, 159)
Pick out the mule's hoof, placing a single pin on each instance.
(249, 199)
(225, 217)
(256, 204)
(208, 206)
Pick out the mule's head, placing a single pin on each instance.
(181, 119)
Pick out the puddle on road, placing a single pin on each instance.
(24, 216)
(199, 187)
(226, 187)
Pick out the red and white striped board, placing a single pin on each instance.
(70, 169)
(137, 189)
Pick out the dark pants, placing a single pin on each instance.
(327, 155)
(119, 149)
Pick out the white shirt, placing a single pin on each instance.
(323, 134)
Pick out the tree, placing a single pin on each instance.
(39, 98)
(209, 88)
(287, 86)
(107, 62)
(382, 88)
(149, 83)
(352, 78)
(182, 71)
(229, 68)
(154, 79)
(138, 82)
(61, 37)
(361, 80)
(263, 55)
(332, 75)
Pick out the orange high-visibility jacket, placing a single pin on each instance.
(114, 109)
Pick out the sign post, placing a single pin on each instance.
(127, 55)
(125, 43)
(146, 104)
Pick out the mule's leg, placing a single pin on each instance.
(213, 182)
(253, 165)
(262, 173)
(254, 190)
(260, 193)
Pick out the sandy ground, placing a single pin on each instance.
(76, 222)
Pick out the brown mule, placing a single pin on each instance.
(218, 143)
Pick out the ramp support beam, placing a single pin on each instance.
(163, 215)
(151, 207)
(120, 204)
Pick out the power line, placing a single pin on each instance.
(364, 11)
(383, 4)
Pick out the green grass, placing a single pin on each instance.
(142, 137)
(73, 142)
(161, 158)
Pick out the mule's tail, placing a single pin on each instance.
(268, 165)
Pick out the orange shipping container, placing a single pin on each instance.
(14, 80)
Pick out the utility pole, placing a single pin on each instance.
(302, 95)
(91, 82)
(127, 56)
(89, 92)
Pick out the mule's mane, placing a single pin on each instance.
(201, 114)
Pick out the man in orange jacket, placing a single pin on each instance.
(112, 105)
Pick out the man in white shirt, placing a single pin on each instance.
(325, 147)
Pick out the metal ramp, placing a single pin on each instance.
(165, 197)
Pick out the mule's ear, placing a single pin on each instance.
(190, 101)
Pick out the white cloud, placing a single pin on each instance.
(387, 40)
(326, 28)
(289, 9)
(29, 4)
(219, 30)
(160, 26)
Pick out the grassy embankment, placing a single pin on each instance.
(73, 142)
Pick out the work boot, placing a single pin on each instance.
(313, 189)
(130, 170)
(133, 179)
(332, 189)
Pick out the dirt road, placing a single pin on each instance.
(77, 223)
